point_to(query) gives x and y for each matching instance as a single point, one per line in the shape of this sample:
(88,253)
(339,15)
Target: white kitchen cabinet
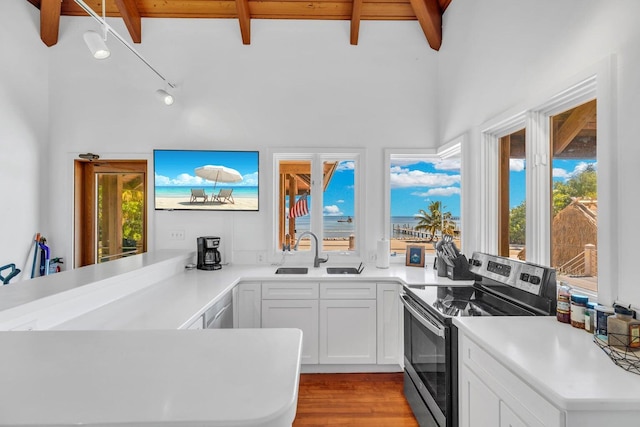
(197,324)
(491,395)
(348,331)
(389,321)
(247,305)
(301,314)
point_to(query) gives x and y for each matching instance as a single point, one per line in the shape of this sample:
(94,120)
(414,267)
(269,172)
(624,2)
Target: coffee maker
(208,254)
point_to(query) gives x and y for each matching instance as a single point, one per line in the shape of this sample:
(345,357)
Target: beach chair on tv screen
(224,196)
(198,193)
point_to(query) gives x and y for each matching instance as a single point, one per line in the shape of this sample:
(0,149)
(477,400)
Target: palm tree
(435,220)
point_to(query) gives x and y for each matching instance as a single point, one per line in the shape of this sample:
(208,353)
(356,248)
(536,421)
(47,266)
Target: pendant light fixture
(99,49)
(97,44)
(165,97)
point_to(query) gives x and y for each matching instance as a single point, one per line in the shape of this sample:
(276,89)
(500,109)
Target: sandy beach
(241,204)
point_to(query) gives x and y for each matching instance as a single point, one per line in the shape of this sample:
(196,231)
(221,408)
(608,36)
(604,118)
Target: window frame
(594,83)
(450,149)
(318,156)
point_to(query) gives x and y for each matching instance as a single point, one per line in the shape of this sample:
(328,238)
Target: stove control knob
(535,280)
(475,262)
(524,277)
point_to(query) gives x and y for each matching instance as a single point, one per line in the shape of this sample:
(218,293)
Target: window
(512,196)
(424,200)
(574,196)
(318,192)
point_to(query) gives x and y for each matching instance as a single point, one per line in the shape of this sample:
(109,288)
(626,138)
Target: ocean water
(185,191)
(337,227)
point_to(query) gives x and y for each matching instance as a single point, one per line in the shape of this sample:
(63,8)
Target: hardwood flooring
(353,400)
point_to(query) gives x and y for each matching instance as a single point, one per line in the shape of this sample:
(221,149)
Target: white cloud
(162,180)
(417,178)
(250,179)
(343,166)
(441,191)
(332,210)
(516,165)
(340,201)
(561,173)
(577,170)
(448,165)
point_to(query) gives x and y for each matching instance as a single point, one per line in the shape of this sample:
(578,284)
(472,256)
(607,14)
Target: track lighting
(89,156)
(96,45)
(165,97)
(102,51)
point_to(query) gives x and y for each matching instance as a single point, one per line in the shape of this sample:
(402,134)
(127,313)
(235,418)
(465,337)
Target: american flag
(300,208)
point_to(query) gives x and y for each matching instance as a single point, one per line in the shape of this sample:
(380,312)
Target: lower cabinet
(247,308)
(491,395)
(343,322)
(348,331)
(301,314)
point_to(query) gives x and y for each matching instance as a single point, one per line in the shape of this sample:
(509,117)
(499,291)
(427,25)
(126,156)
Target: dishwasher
(220,314)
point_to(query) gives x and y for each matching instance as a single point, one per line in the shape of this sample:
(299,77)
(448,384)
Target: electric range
(502,287)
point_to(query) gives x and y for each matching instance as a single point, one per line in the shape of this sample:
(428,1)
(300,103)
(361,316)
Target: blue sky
(416,183)
(338,198)
(562,171)
(176,167)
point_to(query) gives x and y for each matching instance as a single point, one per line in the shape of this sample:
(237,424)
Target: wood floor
(353,400)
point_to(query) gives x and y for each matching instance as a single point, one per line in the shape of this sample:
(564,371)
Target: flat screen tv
(213,180)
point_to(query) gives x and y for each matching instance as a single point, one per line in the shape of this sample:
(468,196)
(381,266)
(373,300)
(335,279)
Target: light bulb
(165,97)
(96,45)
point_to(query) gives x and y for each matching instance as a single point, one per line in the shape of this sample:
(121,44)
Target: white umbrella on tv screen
(218,174)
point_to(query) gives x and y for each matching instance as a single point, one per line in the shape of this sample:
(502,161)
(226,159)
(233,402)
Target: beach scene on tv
(206,180)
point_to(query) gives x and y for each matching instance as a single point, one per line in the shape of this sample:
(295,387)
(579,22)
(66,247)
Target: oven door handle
(423,318)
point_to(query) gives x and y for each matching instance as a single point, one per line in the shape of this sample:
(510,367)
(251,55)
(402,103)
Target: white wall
(299,84)
(503,56)
(24,111)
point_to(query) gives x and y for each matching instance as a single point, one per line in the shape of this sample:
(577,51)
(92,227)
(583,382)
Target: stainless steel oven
(502,287)
(429,365)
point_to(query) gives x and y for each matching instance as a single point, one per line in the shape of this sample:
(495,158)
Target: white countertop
(560,362)
(177,301)
(242,377)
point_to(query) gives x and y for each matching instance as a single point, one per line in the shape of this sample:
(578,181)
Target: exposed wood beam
(355,21)
(244,17)
(131,16)
(430,18)
(579,117)
(50,21)
(36,3)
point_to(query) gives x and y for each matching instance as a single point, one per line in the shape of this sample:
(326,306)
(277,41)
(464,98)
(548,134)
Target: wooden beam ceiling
(50,21)
(427,12)
(132,19)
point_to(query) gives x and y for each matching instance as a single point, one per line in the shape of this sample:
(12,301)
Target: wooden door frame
(85,202)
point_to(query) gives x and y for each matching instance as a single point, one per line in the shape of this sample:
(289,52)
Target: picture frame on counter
(415,256)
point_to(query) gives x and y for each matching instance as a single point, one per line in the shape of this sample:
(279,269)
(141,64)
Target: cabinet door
(347,331)
(478,405)
(508,418)
(389,324)
(301,314)
(248,305)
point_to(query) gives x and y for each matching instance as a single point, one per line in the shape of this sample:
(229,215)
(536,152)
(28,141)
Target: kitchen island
(243,377)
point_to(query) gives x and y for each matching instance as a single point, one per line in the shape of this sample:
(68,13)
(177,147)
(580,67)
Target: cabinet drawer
(347,290)
(290,290)
(530,407)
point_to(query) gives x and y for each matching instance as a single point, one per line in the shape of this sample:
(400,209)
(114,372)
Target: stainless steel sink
(292,270)
(342,270)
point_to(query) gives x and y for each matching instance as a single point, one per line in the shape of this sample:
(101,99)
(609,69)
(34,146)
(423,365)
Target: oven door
(428,364)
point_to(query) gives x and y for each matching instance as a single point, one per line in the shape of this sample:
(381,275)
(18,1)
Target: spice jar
(578,306)
(563,307)
(618,326)
(602,314)
(634,335)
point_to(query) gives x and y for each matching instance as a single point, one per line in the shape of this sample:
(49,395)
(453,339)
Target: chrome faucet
(316,260)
